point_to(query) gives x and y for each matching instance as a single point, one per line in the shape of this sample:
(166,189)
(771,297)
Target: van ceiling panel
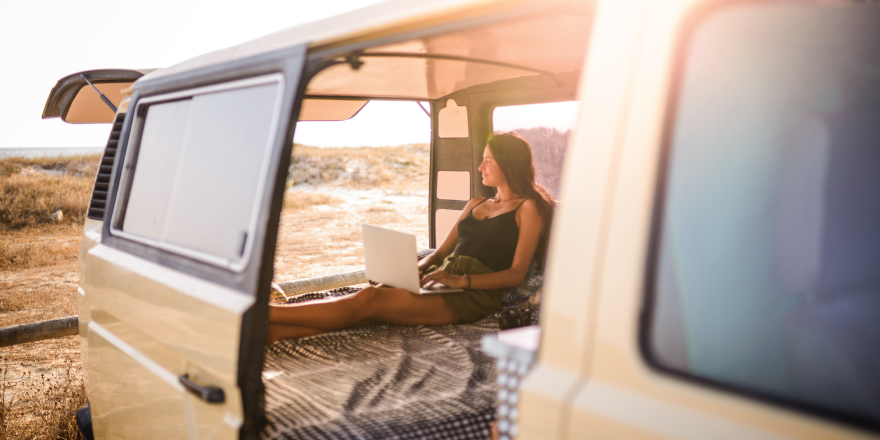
(329,109)
(550,43)
(438,65)
(406,77)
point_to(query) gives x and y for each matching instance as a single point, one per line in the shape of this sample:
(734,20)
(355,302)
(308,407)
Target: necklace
(497,201)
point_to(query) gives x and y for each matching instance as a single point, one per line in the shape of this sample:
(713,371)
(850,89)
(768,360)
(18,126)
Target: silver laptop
(391,259)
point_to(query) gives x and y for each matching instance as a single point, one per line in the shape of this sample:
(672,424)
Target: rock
(56,216)
(36,170)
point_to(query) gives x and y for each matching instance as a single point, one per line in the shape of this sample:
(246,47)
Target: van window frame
(130,158)
(690,23)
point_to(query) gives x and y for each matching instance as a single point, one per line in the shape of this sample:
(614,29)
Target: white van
(713,269)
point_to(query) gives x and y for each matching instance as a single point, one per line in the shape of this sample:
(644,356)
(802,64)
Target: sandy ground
(327,239)
(314,240)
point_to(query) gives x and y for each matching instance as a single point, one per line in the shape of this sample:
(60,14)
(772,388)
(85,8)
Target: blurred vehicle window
(546,127)
(766,272)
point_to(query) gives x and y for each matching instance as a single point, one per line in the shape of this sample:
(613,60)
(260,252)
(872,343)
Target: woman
(491,247)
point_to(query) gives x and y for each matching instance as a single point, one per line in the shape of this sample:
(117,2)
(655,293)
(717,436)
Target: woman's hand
(424,267)
(438,276)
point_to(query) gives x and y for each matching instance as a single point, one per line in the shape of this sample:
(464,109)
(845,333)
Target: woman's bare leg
(368,306)
(277,332)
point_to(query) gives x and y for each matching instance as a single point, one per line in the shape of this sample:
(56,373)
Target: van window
(546,127)
(766,270)
(218,140)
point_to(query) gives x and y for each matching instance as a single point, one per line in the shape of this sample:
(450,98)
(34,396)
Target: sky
(378,124)
(43,41)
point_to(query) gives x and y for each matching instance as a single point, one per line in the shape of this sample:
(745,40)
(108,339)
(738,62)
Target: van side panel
(90,238)
(155,410)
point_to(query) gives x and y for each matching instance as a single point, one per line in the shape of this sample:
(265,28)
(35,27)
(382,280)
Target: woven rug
(381,382)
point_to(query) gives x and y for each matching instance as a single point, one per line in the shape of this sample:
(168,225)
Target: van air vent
(102,181)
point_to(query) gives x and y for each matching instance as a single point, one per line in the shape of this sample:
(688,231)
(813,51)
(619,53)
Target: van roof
(349,26)
(399,17)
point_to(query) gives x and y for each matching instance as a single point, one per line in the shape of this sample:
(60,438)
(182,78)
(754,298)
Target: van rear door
(174,340)
(91,96)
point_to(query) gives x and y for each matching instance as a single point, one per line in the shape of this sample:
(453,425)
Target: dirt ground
(326,239)
(41,382)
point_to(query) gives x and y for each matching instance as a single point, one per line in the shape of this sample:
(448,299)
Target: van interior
(517,73)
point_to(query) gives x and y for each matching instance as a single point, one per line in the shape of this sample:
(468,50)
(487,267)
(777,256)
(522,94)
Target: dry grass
(41,246)
(44,406)
(41,383)
(82,165)
(34,188)
(388,167)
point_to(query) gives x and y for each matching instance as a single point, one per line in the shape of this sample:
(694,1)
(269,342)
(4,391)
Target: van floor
(382,381)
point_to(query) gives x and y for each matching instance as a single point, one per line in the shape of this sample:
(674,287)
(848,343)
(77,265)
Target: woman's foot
(277,292)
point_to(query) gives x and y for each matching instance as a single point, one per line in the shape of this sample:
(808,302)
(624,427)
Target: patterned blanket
(381,382)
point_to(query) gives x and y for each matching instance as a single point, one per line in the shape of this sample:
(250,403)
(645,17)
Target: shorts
(472,304)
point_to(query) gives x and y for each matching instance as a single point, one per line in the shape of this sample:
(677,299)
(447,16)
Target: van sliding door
(177,288)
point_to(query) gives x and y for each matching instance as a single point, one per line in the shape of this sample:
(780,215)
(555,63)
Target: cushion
(529,291)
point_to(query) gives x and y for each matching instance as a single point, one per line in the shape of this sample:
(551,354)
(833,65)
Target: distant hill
(548,149)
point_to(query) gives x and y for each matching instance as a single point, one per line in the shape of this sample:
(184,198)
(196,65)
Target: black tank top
(491,241)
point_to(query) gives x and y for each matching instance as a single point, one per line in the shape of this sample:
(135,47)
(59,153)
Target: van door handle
(207,393)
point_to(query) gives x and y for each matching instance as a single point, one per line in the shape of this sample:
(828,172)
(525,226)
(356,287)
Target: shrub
(34,188)
(363,167)
(42,409)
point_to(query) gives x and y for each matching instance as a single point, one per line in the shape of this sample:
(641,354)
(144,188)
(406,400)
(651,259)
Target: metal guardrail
(38,331)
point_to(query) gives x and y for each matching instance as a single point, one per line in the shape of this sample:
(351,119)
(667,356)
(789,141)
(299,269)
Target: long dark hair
(514,156)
